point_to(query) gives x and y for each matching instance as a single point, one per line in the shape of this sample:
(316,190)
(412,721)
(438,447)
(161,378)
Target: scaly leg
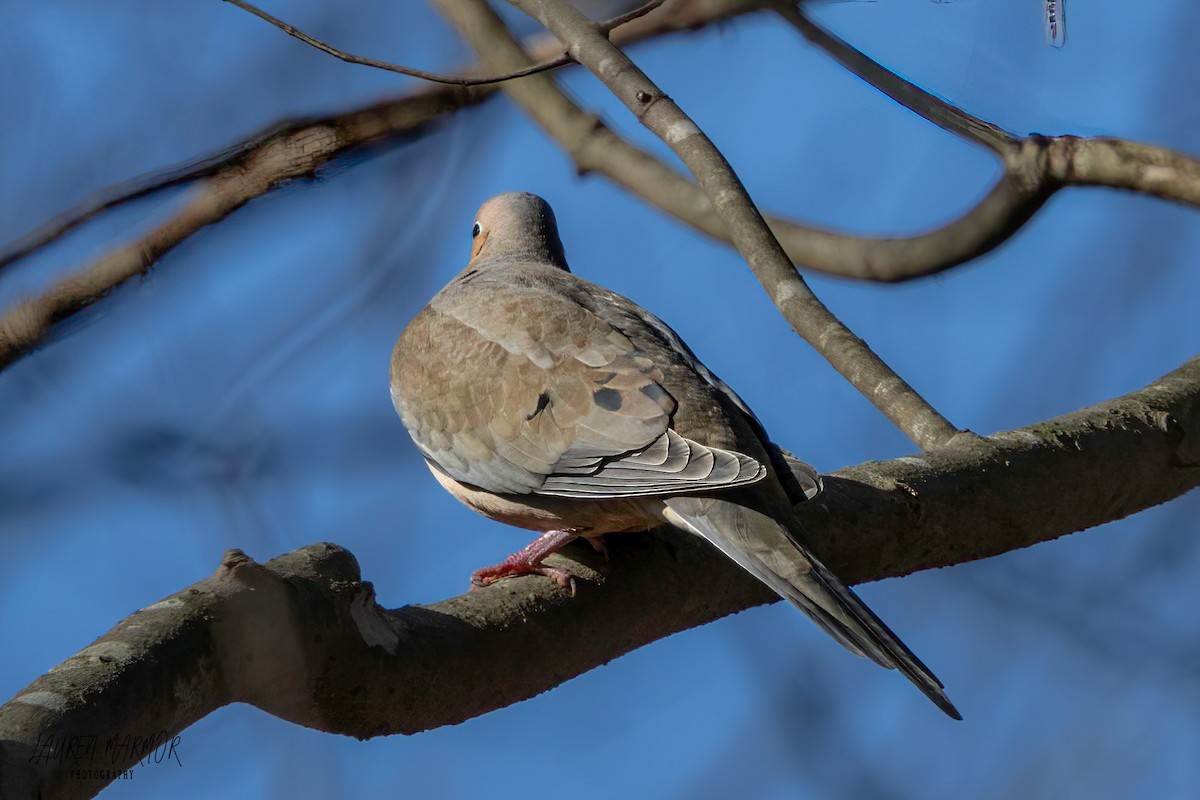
(528,561)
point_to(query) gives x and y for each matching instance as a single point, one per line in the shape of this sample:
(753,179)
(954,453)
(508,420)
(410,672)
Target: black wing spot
(608,399)
(543,401)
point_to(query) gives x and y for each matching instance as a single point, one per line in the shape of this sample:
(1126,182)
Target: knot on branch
(1184,437)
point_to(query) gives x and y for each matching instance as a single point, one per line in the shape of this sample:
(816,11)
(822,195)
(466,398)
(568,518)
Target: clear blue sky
(238,396)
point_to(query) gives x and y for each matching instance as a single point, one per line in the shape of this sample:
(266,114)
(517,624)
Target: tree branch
(454,80)
(596,148)
(301,637)
(293,152)
(434,77)
(287,152)
(141,186)
(1035,167)
(933,108)
(807,315)
(1034,171)
(681,15)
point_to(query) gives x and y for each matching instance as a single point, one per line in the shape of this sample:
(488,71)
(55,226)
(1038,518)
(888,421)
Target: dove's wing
(521,389)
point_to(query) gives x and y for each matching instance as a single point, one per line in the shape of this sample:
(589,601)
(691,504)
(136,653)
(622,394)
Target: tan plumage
(545,401)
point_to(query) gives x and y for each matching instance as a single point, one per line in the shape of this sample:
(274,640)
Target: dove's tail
(763,548)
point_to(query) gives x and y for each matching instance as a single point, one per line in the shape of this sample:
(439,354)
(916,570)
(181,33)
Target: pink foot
(528,561)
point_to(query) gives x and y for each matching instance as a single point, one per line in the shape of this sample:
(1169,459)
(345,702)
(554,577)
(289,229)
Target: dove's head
(517,225)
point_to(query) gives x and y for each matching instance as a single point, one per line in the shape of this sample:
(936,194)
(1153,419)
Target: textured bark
(302,638)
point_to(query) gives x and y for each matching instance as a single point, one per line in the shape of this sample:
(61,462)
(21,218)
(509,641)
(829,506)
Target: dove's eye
(476,229)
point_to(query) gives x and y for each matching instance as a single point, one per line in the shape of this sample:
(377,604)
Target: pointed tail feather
(762,547)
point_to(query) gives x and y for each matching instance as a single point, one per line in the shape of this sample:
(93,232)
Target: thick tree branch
(807,315)
(302,638)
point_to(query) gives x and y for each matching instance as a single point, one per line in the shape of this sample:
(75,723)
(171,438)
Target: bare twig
(435,77)
(630,16)
(301,637)
(848,354)
(909,95)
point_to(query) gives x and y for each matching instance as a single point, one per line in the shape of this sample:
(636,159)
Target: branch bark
(301,637)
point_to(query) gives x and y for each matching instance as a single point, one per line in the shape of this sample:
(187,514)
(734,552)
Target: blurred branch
(287,152)
(454,80)
(678,16)
(807,315)
(229,183)
(139,187)
(302,638)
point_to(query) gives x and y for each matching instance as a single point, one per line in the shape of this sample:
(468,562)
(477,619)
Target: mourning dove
(544,401)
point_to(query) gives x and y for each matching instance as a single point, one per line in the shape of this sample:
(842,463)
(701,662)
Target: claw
(528,561)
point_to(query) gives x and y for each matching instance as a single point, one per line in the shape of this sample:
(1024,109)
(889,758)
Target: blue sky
(237,397)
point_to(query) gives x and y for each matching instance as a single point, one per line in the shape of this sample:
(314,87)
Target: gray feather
(763,548)
(689,467)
